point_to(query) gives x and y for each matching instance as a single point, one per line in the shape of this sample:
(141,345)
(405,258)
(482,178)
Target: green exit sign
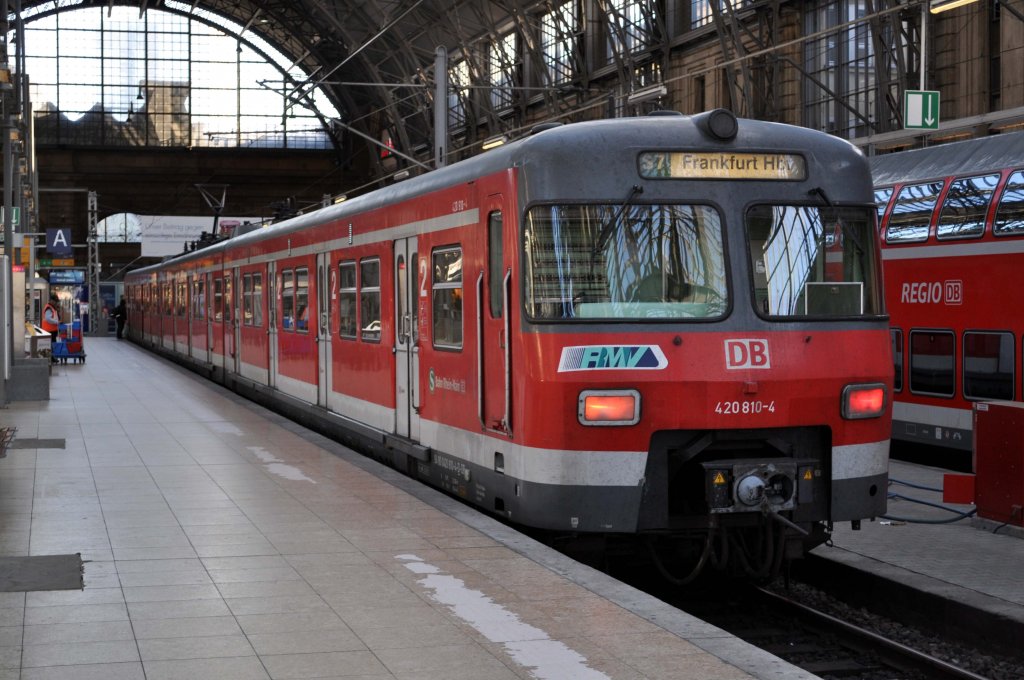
(921,110)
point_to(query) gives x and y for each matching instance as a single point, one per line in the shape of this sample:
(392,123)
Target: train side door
(271,301)
(229,321)
(493,350)
(192,288)
(326,289)
(410,285)
(207,303)
(236,321)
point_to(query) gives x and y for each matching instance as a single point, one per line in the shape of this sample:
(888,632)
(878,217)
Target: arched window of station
(184,77)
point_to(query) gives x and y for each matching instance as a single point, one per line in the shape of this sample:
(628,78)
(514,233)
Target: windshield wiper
(818,191)
(610,225)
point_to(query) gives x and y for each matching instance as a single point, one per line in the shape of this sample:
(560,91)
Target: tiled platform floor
(222,542)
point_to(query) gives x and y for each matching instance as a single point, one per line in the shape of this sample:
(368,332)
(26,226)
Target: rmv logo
(604,357)
(747,353)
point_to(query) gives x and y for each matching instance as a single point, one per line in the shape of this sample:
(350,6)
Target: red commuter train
(666,326)
(952,225)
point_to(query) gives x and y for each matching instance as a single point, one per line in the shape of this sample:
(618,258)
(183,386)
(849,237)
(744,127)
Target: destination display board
(722,165)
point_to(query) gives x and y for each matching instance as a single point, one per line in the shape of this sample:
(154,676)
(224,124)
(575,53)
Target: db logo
(954,292)
(747,353)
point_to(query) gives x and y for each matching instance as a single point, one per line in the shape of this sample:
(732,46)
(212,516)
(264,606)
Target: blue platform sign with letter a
(921,110)
(58,241)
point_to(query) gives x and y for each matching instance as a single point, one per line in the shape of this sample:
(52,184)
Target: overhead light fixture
(647,94)
(401,174)
(493,142)
(936,6)
(340,199)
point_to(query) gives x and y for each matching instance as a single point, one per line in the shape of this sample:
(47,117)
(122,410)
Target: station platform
(220,541)
(965,572)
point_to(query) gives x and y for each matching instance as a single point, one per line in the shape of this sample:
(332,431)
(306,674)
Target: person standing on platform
(120,315)
(51,322)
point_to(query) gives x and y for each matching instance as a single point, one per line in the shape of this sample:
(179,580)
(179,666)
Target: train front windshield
(814,262)
(623,262)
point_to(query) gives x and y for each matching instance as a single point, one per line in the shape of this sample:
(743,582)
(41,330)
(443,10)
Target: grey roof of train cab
(969,157)
(555,161)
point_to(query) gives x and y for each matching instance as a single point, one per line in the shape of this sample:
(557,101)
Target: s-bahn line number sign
(921,110)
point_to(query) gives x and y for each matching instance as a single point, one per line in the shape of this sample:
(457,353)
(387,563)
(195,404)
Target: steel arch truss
(514,63)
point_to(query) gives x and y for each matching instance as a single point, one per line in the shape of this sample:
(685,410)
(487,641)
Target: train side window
(369,300)
(347,300)
(896,337)
(988,365)
(932,360)
(257,299)
(229,299)
(199,299)
(218,300)
(495,265)
(247,299)
(302,299)
(965,207)
(288,300)
(415,260)
(911,213)
(182,300)
(1010,211)
(882,197)
(447,297)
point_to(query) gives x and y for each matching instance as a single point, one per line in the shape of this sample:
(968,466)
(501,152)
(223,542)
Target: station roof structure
(367,56)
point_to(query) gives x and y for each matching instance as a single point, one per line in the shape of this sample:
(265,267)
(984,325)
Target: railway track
(816,641)
(855,651)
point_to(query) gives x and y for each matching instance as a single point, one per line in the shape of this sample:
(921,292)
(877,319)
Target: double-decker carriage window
(288,300)
(302,300)
(446,280)
(257,299)
(932,360)
(369,300)
(621,262)
(347,300)
(218,300)
(1010,210)
(814,261)
(911,214)
(988,365)
(247,299)
(882,197)
(198,299)
(965,207)
(495,265)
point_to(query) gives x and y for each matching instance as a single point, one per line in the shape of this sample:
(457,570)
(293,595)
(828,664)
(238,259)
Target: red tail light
(863,401)
(620,407)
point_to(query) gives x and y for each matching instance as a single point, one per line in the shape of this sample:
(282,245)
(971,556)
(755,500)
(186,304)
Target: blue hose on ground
(959,513)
